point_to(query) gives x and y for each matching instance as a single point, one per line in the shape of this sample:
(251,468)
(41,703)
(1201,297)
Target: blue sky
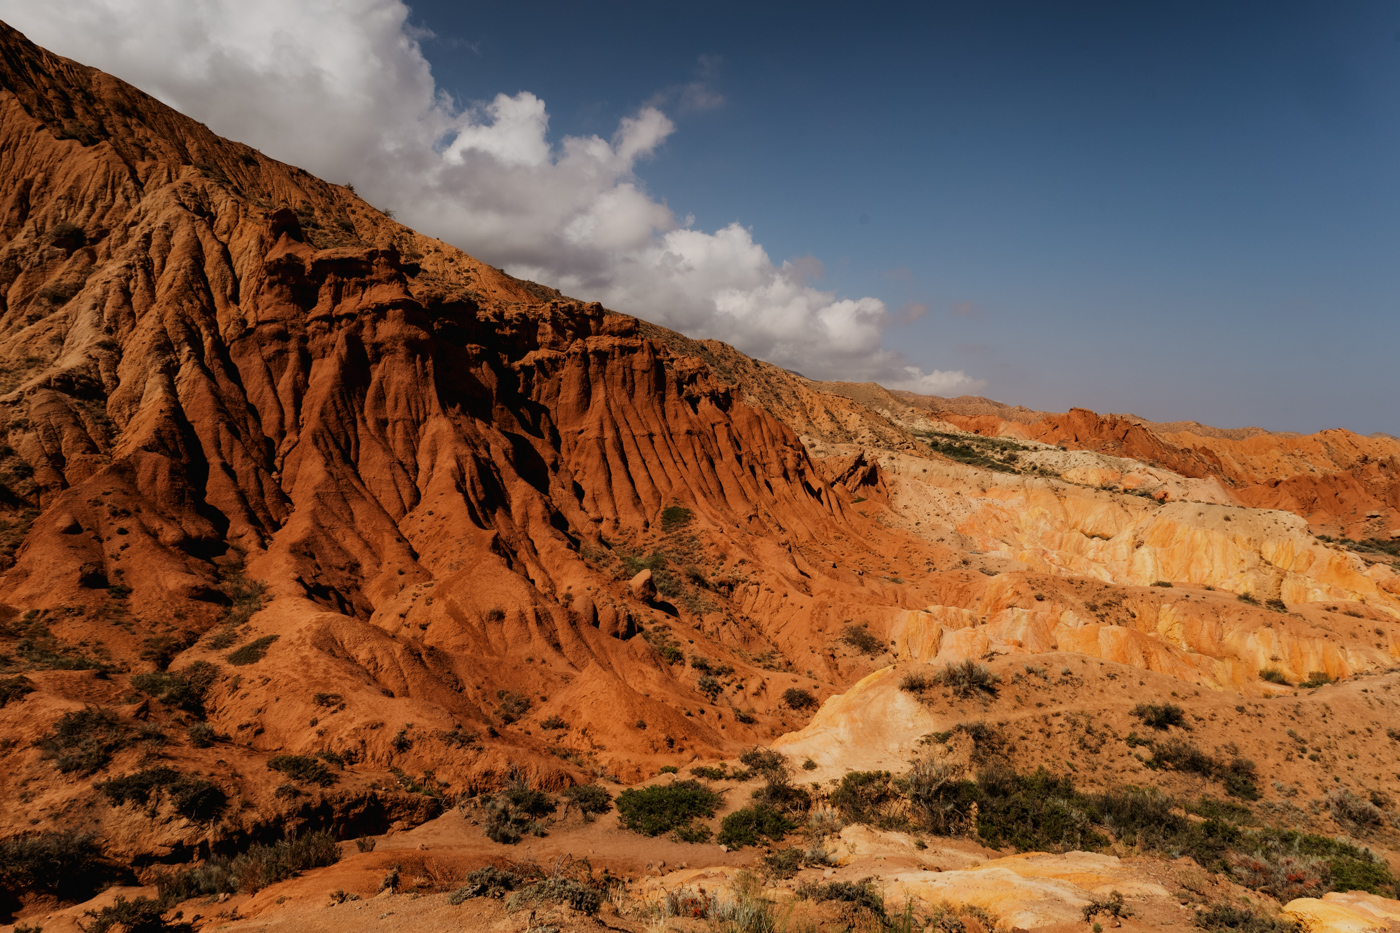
(1181,210)
(1184,210)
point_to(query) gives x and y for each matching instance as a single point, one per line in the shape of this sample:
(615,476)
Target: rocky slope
(308,521)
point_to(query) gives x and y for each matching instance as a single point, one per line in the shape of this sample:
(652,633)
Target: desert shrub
(553,723)
(590,798)
(1349,867)
(693,833)
(1274,676)
(585,898)
(1111,906)
(161,649)
(251,870)
(512,706)
(1276,604)
(1317,679)
(252,652)
(138,787)
(1238,775)
(263,865)
(937,798)
(143,915)
(1159,715)
(799,699)
(662,808)
(303,768)
(1165,583)
(202,735)
(458,738)
(764,760)
(1226,918)
(1248,598)
(516,811)
(487,881)
(865,797)
(709,685)
(779,792)
(1285,876)
(67,235)
(860,638)
(916,682)
(1181,755)
(783,863)
(68,866)
(710,773)
(1353,811)
(675,517)
(185,689)
(987,741)
(969,679)
(327,699)
(83,741)
(751,825)
(14,689)
(863,894)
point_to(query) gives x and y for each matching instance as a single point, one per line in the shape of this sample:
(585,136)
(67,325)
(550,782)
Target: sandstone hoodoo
(336,564)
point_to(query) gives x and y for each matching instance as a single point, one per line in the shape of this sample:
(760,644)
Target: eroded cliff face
(220,370)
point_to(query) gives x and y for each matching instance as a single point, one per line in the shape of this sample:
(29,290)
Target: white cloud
(342,88)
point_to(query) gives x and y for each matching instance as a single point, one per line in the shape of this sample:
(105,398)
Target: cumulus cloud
(342,88)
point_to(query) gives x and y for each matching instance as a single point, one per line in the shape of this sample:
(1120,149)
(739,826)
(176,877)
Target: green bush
(252,652)
(1037,811)
(662,808)
(1160,715)
(751,825)
(1274,676)
(1317,679)
(82,742)
(303,768)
